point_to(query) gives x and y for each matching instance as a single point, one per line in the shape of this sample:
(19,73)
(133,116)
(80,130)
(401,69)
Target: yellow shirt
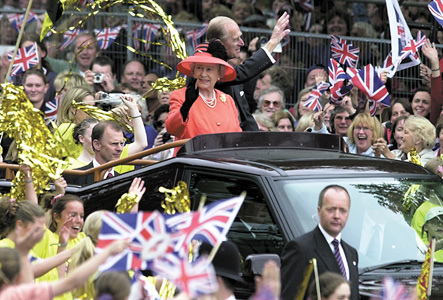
(71,148)
(48,247)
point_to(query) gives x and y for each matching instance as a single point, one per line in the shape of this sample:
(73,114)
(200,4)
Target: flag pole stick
(19,39)
(431,269)
(202,202)
(317,281)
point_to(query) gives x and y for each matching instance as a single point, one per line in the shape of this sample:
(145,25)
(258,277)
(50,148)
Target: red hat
(202,55)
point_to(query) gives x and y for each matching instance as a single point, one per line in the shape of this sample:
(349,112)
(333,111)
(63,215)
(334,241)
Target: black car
(283,174)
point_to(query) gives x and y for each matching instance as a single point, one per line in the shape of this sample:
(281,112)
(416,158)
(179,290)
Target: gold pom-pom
(176,199)
(37,146)
(126,202)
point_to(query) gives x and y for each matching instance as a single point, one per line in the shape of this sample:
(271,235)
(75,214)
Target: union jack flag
(16,20)
(51,109)
(210,224)
(400,36)
(368,81)
(69,37)
(313,101)
(387,65)
(336,73)
(436,9)
(147,233)
(148,34)
(345,53)
(194,36)
(394,290)
(25,59)
(136,32)
(105,37)
(195,279)
(413,46)
(336,41)
(337,78)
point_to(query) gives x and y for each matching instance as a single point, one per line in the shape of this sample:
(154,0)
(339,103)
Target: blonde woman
(68,118)
(362,133)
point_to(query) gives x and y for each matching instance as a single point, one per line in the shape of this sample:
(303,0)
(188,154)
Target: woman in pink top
(200,108)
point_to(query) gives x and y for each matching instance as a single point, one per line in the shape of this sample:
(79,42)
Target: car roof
(286,154)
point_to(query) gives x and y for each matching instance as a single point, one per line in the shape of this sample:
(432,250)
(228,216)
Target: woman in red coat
(199,108)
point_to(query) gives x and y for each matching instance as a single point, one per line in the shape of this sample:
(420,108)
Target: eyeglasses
(276,104)
(365,129)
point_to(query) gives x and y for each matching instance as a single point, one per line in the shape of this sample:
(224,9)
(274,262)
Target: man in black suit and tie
(323,243)
(107,143)
(227,31)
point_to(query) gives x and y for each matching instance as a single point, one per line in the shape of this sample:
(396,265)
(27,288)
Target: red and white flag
(25,59)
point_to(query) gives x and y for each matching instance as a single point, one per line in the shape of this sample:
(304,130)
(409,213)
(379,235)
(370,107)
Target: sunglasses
(276,104)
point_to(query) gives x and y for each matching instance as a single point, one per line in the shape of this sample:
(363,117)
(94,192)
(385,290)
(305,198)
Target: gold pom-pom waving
(414,157)
(101,115)
(126,202)
(176,199)
(37,147)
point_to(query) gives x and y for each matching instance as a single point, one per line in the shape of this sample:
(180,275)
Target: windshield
(386,219)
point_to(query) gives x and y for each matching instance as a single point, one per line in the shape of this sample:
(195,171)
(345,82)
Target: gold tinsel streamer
(37,146)
(409,197)
(151,8)
(126,203)
(101,115)
(176,199)
(414,157)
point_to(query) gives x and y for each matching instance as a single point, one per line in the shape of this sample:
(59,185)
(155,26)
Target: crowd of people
(233,85)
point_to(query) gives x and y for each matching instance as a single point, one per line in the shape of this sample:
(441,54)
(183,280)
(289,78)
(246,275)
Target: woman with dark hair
(338,23)
(64,231)
(332,287)
(396,135)
(82,136)
(421,102)
(436,93)
(399,107)
(35,86)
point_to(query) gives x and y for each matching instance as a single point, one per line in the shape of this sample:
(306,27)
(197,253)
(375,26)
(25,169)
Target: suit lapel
(324,252)
(351,259)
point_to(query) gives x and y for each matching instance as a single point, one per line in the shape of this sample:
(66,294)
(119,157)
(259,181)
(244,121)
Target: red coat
(202,119)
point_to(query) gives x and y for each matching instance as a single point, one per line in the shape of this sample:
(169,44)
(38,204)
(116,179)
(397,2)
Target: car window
(160,178)
(386,217)
(254,230)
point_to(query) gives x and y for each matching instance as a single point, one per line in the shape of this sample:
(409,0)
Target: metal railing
(300,51)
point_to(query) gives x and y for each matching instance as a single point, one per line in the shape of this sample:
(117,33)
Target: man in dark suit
(323,243)
(107,143)
(227,31)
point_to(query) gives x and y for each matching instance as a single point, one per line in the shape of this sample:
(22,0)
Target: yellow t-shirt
(71,148)
(8,243)
(48,247)
(124,168)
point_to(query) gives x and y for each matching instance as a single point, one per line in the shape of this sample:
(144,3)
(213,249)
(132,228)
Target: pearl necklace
(211,103)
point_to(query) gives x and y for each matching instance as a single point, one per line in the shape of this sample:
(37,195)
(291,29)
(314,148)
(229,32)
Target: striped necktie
(338,257)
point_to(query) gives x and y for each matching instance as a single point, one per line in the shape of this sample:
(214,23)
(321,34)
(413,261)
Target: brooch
(223,98)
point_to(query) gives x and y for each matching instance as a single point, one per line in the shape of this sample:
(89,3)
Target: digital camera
(98,77)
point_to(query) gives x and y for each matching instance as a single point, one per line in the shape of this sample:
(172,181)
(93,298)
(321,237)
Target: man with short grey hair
(228,32)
